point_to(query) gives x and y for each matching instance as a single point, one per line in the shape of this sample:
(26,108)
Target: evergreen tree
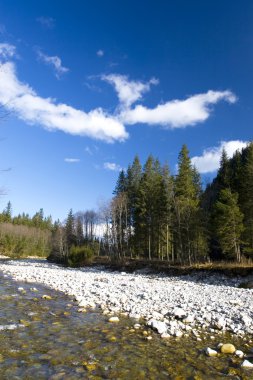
(246,198)
(188,231)
(228,224)
(70,229)
(7,213)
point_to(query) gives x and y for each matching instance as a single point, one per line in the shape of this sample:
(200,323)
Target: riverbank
(173,306)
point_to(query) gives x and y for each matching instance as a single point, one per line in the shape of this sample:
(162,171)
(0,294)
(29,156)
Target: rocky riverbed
(172,306)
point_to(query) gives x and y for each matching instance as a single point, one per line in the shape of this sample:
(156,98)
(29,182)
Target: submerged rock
(210,352)
(113,319)
(228,348)
(46,297)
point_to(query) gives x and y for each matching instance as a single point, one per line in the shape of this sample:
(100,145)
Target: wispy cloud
(72,160)
(53,61)
(88,151)
(112,166)
(46,22)
(7,51)
(20,98)
(209,161)
(178,113)
(100,53)
(128,91)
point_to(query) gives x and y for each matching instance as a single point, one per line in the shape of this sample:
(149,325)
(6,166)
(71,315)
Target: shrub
(80,256)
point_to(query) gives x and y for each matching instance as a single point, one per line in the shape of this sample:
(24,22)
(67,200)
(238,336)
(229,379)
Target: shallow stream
(46,338)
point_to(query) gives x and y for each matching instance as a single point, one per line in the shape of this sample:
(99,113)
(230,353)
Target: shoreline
(186,305)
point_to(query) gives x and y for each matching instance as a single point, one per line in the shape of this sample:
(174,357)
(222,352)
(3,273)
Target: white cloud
(178,113)
(209,161)
(100,53)
(30,107)
(46,22)
(112,166)
(7,51)
(128,91)
(53,61)
(21,99)
(72,160)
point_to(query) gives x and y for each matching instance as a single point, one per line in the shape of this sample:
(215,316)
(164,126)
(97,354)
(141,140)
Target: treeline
(156,215)
(152,215)
(23,236)
(75,242)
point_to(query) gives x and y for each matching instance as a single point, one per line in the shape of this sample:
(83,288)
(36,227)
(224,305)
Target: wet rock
(158,326)
(46,297)
(210,352)
(246,364)
(239,353)
(113,319)
(227,348)
(165,336)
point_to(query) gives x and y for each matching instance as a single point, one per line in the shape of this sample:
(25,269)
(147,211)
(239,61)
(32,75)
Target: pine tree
(70,229)
(7,213)
(187,228)
(228,224)
(246,198)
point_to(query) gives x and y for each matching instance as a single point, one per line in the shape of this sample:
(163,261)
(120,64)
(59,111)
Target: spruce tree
(70,230)
(228,224)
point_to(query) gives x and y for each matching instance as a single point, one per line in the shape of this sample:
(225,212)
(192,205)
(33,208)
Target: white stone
(239,353)
(247,364)
(179,313)
(189,319)
(113,319)
(159,326)
(210,352)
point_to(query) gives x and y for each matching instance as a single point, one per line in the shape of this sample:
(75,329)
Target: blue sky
(87,85)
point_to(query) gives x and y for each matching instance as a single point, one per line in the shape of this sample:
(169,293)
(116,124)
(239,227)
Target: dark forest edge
(153,217)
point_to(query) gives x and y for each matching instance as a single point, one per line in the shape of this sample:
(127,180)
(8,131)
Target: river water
(49,339)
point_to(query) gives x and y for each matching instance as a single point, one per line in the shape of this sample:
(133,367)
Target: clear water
(57,342)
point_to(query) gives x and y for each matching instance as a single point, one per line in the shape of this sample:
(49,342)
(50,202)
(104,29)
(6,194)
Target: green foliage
(228,224)
(22,241)
(80,256)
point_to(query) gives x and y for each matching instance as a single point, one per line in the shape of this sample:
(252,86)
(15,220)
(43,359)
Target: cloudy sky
(85,86)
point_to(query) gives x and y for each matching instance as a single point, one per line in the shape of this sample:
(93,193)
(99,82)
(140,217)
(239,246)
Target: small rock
(113,319)
(159,326)
(165,336)
(46,297)
(210,352)
(189,319)
(239,353)
(228,348)
(178,333)
(81,310)
(179,313)
(246,364)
